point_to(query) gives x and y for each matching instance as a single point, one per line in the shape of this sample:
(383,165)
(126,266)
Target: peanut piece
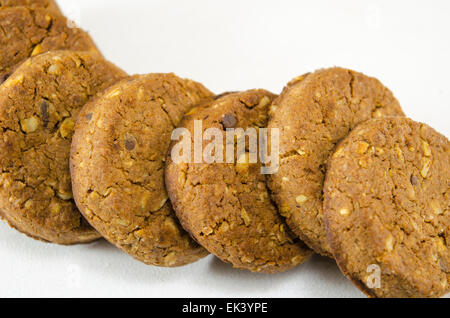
(301,199)
(66,127)
(29,125)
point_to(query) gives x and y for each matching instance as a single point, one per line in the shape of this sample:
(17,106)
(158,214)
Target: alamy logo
(236,145)
(374,279)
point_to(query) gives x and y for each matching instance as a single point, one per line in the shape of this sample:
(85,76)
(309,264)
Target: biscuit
(226,206)
(47,4)
(117,164)
(314,113)
(387,206)
(28,32)
(39,104)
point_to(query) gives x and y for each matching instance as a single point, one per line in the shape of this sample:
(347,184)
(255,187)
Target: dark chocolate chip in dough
(229,121)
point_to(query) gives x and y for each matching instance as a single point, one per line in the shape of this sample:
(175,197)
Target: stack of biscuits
(87,153)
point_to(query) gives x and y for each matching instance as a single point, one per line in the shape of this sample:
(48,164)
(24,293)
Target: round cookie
(117,164)
(39,105)
(226,207)
(28,32)
(314,113)
(47,4)
(387,208)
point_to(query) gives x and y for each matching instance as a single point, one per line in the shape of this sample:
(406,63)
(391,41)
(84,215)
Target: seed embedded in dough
(362,147)
(55,208)
(301,199)
(296,260)
(425,167)
(440,244)
(344,211)
(377,114)
(363,163)
(48,18)
(411,193)
(273,109)
(399,153)
(67,127)
(37,50)
(436,207)
(245,217)
(426,148)
(65,195)
(285,210)
(122,222)
(296,80)
(224,227)
(171,225)
(28,204)
(170,259)
(54,69)
(207,231)
(338,152)
(192,111)
(264,101)
(389,243)
(29,125)
(113,93)
(140,94)
(285,179)
(12,81)
(301,152)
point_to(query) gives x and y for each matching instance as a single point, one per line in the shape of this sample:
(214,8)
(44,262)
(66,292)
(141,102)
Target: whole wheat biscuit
(117,164)
(39,104)
(28,32)
(47,4)
(314,113)
(387,208)
(226,206)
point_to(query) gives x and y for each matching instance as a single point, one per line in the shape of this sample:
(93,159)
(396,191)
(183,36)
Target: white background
(237,45)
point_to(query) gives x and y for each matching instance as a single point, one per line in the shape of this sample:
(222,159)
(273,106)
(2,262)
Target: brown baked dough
(39,104)
(314,113)
(227,207)
(387,203)
(117,164)
(47,4)
(28,32)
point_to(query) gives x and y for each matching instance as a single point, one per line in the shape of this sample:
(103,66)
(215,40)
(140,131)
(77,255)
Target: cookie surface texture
(314,113)
(117,163)
(226,207)
(47,4)
(28,32)
(39,105)
(387,208)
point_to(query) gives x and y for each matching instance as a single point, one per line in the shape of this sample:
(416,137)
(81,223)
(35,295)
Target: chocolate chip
(130,143)
(229,121)
(88,117)
(43,105)
(414,180)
